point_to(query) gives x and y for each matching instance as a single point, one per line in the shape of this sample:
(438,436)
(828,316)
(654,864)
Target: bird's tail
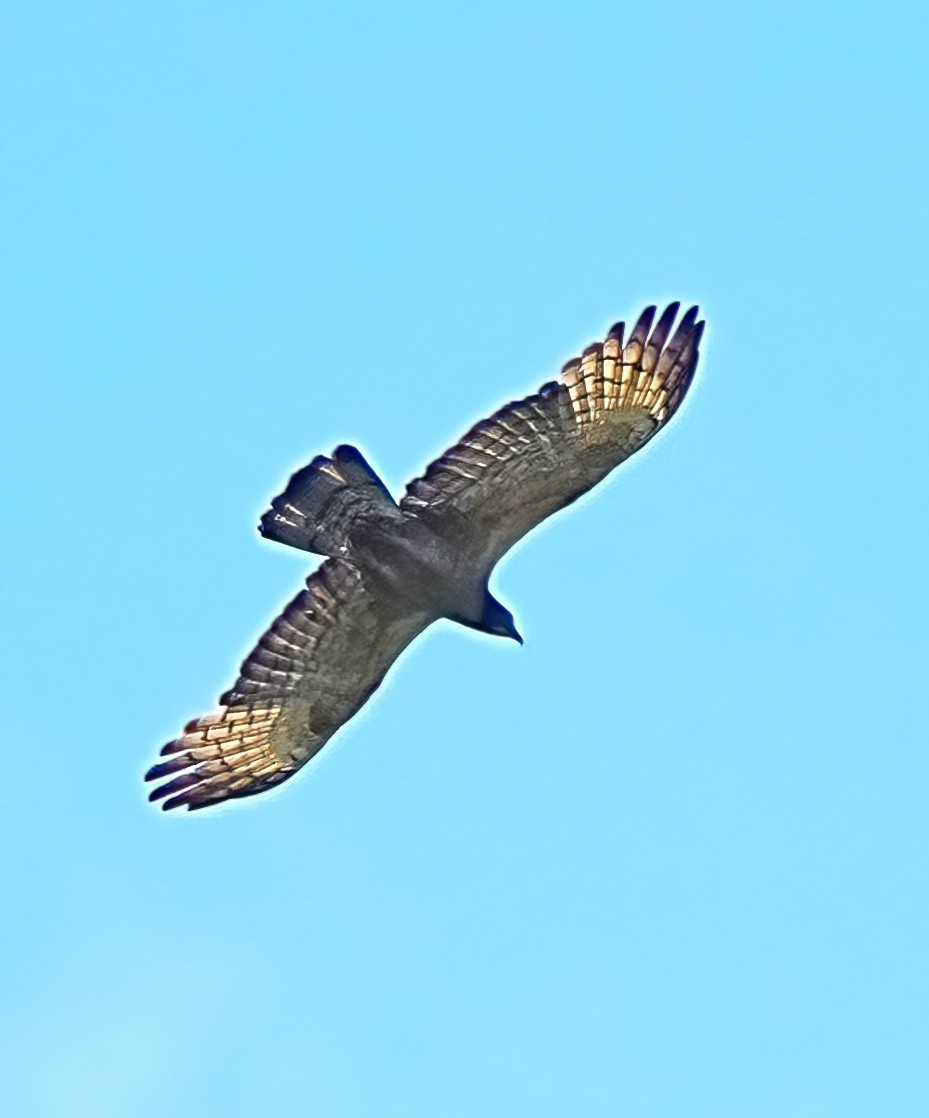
(327,502)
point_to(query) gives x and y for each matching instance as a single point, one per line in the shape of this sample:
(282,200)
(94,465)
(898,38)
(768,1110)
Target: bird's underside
(392,569)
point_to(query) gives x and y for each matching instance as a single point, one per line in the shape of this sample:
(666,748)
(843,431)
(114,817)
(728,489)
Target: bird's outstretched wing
(537,455)
(310,672)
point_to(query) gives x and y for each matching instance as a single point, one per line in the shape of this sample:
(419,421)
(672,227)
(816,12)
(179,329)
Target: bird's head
(498,620)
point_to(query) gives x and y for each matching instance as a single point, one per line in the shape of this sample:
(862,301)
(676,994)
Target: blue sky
(668,858)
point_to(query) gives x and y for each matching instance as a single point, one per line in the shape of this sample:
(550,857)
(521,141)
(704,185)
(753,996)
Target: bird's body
(393,569)
(422,569)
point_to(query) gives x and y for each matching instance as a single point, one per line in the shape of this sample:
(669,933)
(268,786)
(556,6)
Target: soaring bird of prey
(394,568)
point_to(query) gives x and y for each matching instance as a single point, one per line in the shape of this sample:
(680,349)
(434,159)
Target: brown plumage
(394,569)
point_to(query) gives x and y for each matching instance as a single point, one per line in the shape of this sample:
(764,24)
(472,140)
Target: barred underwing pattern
(535,456)
(330,648)
(310,672)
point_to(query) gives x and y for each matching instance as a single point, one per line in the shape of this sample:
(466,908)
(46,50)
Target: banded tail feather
(325,501)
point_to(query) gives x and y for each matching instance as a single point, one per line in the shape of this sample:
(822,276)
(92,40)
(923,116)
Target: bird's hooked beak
(497,620)
(508,629)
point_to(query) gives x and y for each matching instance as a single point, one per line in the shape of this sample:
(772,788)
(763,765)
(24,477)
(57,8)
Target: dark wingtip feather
(193,800)
(646,318)
(179,784)
(616,334)
(683,337)
(165,768)
(640,331)
(663,328)
(659,335)
(689,319)
(175,801)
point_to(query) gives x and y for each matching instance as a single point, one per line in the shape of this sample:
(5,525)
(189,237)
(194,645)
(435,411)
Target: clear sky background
(669,858)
